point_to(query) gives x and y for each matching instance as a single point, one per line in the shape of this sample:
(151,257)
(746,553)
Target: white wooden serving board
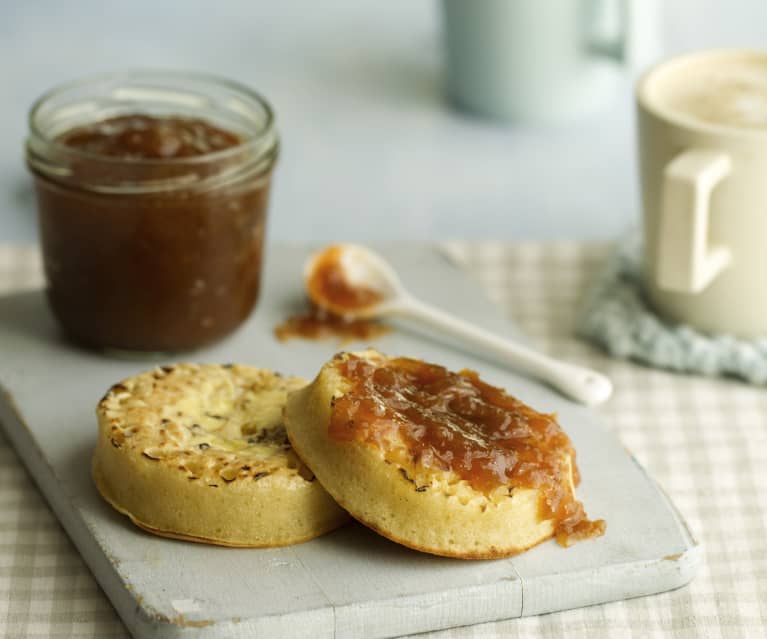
(350,583)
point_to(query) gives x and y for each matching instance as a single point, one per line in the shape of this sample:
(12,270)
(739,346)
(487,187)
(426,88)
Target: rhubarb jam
(145,137)
(168,270)
(328,286)
(152,192)
(317,323)
(457,423)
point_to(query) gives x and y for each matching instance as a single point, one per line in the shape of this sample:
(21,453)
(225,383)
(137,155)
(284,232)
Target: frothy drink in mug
(703,160)
(731,93)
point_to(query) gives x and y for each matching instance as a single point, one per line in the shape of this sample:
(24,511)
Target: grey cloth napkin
(617,317)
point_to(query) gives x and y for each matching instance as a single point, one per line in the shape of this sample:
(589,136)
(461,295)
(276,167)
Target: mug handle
(685,262)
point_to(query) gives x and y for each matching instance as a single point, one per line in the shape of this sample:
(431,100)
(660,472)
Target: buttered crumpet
(199,452)
(435,460)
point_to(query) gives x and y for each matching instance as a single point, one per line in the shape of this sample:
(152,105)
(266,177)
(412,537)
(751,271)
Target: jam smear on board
(317,323)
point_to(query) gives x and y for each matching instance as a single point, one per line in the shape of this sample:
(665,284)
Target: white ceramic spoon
(364,268)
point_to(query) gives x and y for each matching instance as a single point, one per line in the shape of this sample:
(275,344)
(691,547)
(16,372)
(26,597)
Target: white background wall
(370,147)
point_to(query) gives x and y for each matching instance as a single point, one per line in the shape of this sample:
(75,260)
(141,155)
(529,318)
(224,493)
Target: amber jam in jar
(152,192)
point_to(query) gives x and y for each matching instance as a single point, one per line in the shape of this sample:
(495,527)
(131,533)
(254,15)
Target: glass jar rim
(252,139)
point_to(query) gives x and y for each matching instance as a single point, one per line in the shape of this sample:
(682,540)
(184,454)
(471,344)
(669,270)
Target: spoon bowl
(360,268)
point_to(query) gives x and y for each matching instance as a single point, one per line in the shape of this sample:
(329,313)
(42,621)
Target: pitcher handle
(608,29)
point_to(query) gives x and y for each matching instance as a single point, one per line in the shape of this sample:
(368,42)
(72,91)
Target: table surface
(704,440)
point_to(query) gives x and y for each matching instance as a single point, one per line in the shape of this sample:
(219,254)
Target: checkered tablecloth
(704,440)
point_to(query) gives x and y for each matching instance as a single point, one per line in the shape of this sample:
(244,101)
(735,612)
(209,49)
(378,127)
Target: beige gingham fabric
(704,440)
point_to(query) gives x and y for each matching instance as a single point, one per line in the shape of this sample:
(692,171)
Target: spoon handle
(581,384)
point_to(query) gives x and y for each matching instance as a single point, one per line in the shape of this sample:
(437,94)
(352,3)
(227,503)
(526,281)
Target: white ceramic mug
(704,190)
(544,60)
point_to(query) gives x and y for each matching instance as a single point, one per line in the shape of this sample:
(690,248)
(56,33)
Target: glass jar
(152,251)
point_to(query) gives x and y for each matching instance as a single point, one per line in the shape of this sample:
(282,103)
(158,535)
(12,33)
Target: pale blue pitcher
(544,60)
